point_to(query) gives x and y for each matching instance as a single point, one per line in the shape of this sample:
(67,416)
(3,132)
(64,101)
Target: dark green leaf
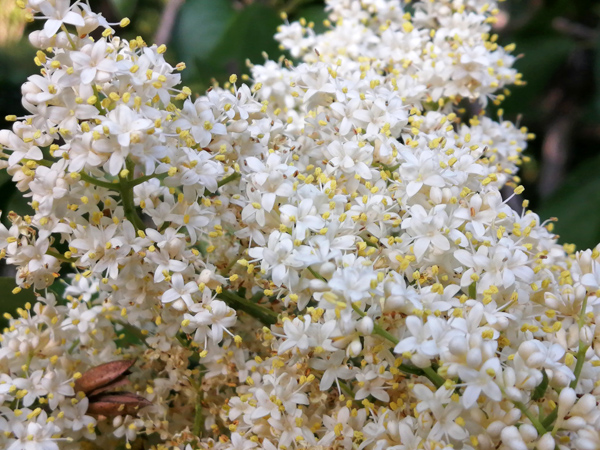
(543,56)
(573,204)
(315,14)
(124,8)
(200,26)
(540,390)
(247,37)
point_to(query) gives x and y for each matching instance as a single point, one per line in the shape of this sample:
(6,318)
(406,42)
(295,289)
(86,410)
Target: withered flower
(97,384)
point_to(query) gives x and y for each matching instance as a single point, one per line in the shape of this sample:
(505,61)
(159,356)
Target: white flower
(180,291)
(333,369)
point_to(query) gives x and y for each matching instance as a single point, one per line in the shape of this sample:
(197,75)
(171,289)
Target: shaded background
(559,39)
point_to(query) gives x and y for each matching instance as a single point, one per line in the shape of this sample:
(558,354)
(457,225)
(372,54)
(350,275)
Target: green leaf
(201,25)
(544,55)
(124,8)
(314,13)
(596,60)
(540,390)
(10,302)
(578,220)
(248,35)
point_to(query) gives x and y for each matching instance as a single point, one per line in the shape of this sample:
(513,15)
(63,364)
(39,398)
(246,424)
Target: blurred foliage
(559,39)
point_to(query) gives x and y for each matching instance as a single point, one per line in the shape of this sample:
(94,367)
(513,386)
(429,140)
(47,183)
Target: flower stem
(60,257)
(145,178)
(62,27)
(582,347)
(104,184)
(264,315)
(198,416)
(541,429)
(129,209)
(230,178)
(435,378)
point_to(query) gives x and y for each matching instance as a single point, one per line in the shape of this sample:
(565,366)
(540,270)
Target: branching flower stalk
(319,260)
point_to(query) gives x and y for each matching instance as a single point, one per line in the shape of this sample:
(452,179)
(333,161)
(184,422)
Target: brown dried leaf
(113,404)
(103,377)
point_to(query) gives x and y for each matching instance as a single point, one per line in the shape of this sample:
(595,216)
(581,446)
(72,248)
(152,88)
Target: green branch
(104,184)
(541,429)
(230,178)
(264,315)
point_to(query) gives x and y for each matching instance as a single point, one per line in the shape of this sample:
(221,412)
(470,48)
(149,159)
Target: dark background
(559,41)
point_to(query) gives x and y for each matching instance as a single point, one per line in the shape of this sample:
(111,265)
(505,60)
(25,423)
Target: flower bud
(495,428)
(528,432)
(566,400)
(458,346)
(318,285)
(237,126)
(39,39)
(512,416)
(585,335)
(559,379)
(526,349)
(535,360)
(574,423)
(365,326)
(354,348)
(584,406)
(512,439)
(474,358)
(435,195)
(327,269)
(584,258)
(501,324)
(551,301)
(546,442)
(91,23)
(573,335)
(420,361)
(514,394)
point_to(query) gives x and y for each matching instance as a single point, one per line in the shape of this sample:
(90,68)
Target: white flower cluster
(319,260)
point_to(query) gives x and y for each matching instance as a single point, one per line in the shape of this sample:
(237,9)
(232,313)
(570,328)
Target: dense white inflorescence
(321,259)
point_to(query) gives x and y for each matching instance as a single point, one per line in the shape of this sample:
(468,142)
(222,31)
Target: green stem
(582,347)
(73,346)
(435,378)
(315,274)
(198,416)
(40,162)
(581,351)
(104,184)
(62,27)
(145,178)
(264,315)
(346,389)
(541,429)
(61,257)
(579,365)
(230,178)
(473,290)
(550,418)
(129,209)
